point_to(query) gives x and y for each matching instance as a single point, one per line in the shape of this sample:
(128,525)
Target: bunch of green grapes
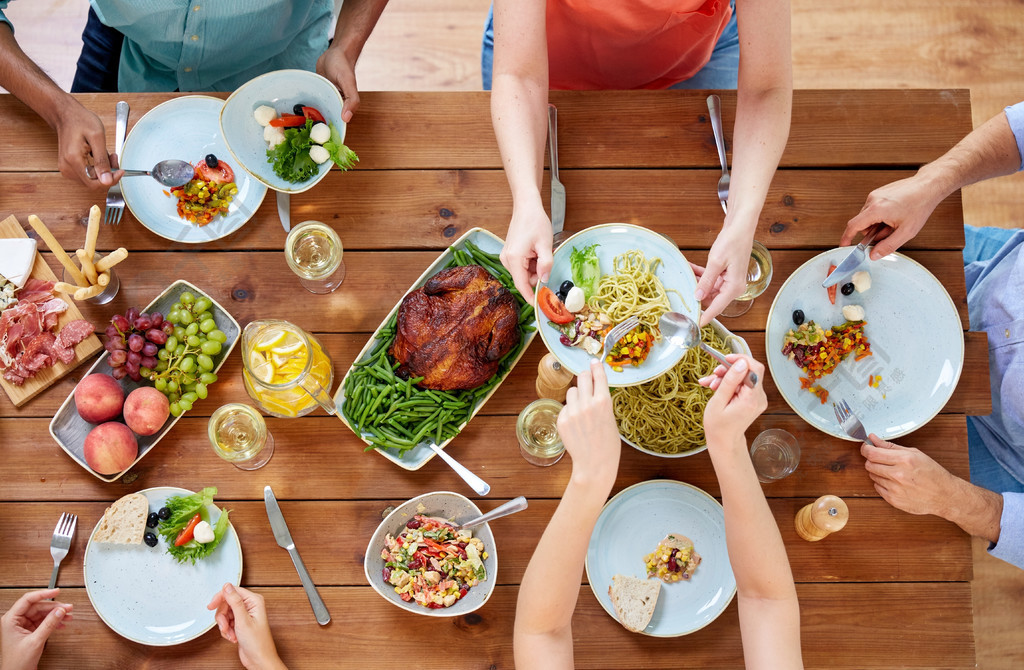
(185,367)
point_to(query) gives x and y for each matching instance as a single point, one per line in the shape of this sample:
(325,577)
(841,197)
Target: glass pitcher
(286,370)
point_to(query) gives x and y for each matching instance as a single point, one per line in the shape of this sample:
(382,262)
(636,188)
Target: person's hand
(242,619)
(903,206)
(725,277)
(82,142)
(527,251)
(735,405)
(587,427)
(335,65)
(25,628)
(907,478)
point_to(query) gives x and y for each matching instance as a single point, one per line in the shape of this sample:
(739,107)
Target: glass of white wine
(537,432)
(759,275)
(313,251)
(239,435)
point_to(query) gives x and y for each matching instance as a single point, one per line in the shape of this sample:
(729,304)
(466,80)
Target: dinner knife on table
(284,540)
(284,204)
(853,261)
(557,189)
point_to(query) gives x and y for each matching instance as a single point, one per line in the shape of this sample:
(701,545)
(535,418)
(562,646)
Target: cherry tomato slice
(222,174)
(188,532)
(314,114)
(832,288)
(552,307)
(288,121)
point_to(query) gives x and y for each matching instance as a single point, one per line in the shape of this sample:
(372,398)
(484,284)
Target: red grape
(120,323)
(118,358)
(143,323)
(112,332)
(167,327)
(136,341)
(156,336)
(157,318)
(134,358)
(148,362)
(149,349)
(117,343)
(119,373)
(132,313)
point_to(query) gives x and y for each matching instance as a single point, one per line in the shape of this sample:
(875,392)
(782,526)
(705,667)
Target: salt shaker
(821,518)
(553,380)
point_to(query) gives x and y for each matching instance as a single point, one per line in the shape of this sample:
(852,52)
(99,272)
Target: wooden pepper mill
(553,380)
(821,518)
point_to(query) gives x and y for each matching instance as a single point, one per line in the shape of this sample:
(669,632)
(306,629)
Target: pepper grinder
(821,518)
(553,380)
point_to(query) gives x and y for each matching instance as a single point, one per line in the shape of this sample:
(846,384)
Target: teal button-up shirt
(211,45)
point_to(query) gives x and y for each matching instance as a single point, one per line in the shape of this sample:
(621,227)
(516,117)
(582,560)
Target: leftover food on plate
(817,351)
(124,522)
(674,560)
(634,600)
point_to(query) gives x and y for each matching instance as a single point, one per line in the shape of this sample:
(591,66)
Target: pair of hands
(81,136)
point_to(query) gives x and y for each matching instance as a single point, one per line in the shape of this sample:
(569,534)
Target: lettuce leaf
(183,508)
(586,269)
(290,158)
(342,156)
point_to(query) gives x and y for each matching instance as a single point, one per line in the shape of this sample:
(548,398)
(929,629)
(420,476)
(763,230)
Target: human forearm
(27,82)
(356,21)
(989,151)
(976,510)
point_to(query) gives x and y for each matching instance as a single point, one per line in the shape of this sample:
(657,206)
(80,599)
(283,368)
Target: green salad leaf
(342,156)
(586,269)
(183,508)
(290,158)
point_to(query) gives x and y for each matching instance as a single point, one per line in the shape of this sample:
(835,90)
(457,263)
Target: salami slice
(73,332)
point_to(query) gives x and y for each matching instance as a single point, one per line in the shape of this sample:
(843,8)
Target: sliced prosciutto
(29,338)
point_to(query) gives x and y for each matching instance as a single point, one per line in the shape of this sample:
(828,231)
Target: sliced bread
(124,522)
(634,600)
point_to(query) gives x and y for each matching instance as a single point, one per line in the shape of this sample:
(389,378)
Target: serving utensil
(852,261)
(849,421)
(115,200)
(60,543)
(511,507)
(284,204)
(284,540)
(480,486)
(557,189)
(715,109)
(170,172)
(683,332)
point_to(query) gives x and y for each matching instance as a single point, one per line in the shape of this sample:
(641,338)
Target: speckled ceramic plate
(673,271)
(631,525)
(146,596)
(915,333)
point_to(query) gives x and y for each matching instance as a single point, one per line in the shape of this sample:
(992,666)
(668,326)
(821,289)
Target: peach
(146,410)
(98,398)
(110,448)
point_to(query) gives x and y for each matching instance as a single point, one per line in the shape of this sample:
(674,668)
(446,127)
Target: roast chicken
(455,329)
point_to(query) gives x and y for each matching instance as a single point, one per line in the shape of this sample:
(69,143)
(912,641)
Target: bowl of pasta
(665,416)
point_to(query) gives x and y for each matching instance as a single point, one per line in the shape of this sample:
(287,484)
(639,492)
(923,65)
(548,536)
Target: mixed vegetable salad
(298,143)
(184,523)
(208,194)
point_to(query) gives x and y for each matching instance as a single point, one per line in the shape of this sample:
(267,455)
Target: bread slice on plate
(124,522)
(634,600)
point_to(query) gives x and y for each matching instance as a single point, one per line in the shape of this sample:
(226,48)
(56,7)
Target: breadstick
(92,232)
(64,287)
(111,259)
(104,278)
(88,292)
(88,269)
(58,251)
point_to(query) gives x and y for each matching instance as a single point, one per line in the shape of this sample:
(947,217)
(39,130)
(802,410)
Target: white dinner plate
(674,272)
(143,594)
(916,338)
(186,128)
(633,523)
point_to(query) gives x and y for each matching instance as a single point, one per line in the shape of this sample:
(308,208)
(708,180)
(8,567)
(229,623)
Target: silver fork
(115,200)
(714,107)
(618,332)
(61,542)
(849,422)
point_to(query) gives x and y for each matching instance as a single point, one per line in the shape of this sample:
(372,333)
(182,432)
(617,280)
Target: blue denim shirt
(213,45)
(995,300)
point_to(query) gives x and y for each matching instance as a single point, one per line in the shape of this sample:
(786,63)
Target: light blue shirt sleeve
(3,17)
(1010,547)
(1015,115)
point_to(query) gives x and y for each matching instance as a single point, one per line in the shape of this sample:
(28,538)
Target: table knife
(853,261)
(284,203)
(557,189)
(284,540)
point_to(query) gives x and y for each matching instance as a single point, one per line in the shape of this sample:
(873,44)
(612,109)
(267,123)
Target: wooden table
(889,590)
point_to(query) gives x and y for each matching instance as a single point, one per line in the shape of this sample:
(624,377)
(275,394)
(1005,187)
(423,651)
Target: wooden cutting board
(19,395)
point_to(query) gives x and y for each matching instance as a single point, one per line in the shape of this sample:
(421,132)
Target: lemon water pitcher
(286,370)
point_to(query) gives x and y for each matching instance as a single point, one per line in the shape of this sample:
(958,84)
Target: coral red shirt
(628,44)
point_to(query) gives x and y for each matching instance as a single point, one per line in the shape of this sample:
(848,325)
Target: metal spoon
(682,331)
(480,486)
(511,507)
(169,173)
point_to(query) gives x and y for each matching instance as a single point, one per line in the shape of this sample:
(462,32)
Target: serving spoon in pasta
(682,331)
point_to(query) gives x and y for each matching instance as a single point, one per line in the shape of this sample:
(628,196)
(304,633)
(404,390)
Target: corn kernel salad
(675,559)
(818,351)
(207,195)
(433,564)
(632,349)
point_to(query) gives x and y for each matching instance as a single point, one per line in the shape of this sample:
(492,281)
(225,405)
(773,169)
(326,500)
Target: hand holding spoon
(169,173)
(682,331)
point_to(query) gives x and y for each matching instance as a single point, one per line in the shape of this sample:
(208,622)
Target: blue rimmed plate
(674,272)
(186,128)
(144,595)
(632,524)
(915,333)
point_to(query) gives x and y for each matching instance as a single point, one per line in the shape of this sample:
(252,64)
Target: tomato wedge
(288,121)
(552,307)
(188,532)
(832,288)
(314,114)
(222,174)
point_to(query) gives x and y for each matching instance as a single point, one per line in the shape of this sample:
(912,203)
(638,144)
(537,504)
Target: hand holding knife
(284,540)
(853,261)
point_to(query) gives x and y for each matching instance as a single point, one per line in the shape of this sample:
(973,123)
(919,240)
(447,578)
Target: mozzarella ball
(204,533)
(264,114)
(320,133)
(861,281)
(575,299)
(273,135)
(319,154)
(853,313)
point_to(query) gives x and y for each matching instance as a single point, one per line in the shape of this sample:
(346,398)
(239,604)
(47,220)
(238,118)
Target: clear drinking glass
(775,454)
(239,435)
(537,432)
(759,275)
(109,291)
(313,251)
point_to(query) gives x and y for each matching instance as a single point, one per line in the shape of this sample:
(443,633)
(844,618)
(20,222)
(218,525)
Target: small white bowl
(281,90)
(446,505)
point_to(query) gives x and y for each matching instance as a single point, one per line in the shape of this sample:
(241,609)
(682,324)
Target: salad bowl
(281,90)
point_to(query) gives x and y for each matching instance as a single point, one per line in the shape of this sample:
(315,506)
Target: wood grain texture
(926,631)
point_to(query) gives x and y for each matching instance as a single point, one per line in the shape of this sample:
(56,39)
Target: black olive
(297,109)
(561,296)
(211,160)
(150,539)
(847,289)
(565,287)
(164,513)
(153,520)
(798,316)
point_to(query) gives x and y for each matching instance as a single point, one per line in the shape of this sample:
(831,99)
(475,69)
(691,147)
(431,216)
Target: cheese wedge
(16,259)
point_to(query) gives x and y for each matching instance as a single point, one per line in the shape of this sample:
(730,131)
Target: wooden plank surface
(873,635)
(19,395)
